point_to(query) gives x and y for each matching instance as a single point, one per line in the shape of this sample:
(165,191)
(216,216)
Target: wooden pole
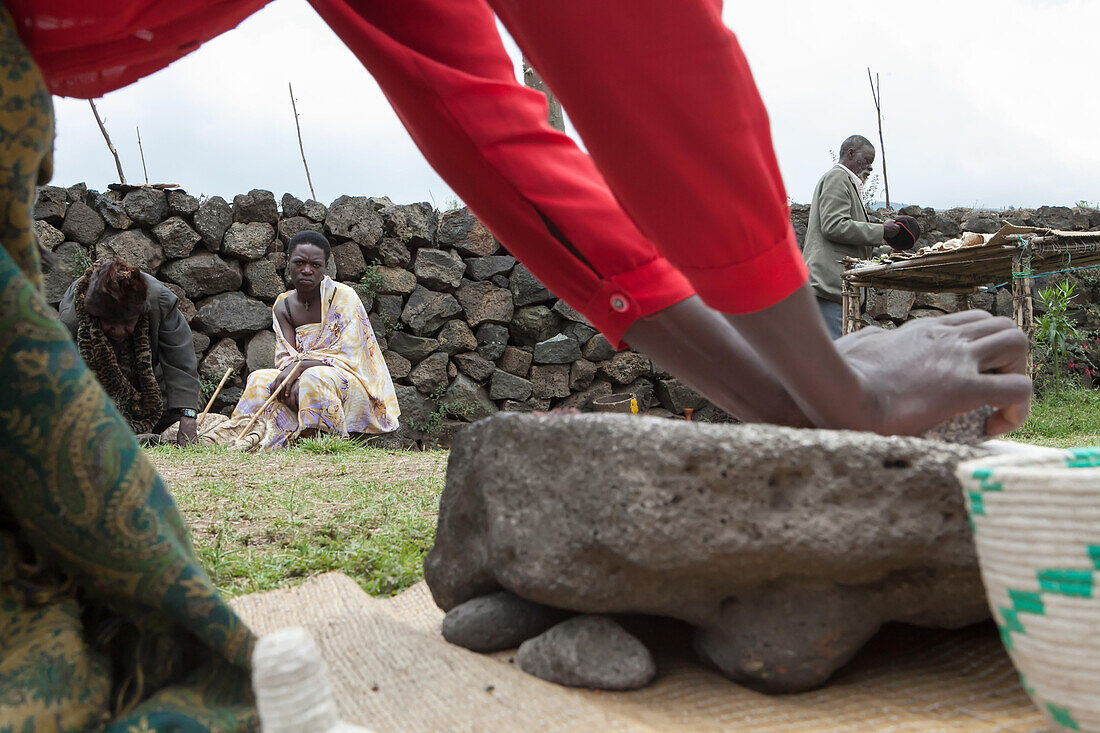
(876,92)
(140,150)
(110,145)
(270,399)
(845,308)
(300,146)
(850,296)
(214,396)
(1023,312)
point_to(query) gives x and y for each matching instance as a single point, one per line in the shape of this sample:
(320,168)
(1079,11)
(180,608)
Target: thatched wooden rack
(1014,254)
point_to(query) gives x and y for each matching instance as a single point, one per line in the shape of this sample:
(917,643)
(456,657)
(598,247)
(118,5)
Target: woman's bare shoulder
(283,311)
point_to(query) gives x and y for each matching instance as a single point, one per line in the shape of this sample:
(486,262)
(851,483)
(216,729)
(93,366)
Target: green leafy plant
(207,387)
(81,260)
(1090,278)
(368,288)
(445,407)
(391,326)
(870,191)
(1054,329)
(371,282)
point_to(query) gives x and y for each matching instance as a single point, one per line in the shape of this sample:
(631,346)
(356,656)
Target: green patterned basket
(1036,522)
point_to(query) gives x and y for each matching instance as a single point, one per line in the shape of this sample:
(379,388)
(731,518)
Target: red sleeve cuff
(621,299)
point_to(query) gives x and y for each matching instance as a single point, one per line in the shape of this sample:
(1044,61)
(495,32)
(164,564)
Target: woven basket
(1036,523)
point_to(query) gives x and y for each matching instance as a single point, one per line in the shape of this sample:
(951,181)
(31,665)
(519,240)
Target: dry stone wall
(465,329)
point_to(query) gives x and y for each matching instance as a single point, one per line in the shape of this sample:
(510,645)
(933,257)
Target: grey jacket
(838,228)
(174,360)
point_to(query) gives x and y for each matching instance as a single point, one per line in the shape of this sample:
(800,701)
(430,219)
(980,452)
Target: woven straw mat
(392,671)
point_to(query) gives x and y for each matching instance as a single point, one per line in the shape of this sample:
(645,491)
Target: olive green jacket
(838,228)
(173,346)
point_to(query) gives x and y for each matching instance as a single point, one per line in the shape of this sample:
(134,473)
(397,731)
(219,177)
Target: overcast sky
(986,103)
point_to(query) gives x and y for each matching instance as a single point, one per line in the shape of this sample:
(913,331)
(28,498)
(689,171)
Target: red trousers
(680,192)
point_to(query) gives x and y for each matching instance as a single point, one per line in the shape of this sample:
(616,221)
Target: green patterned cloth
(107,621)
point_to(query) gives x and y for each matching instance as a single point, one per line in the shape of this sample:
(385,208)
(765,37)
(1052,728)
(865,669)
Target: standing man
(838,227)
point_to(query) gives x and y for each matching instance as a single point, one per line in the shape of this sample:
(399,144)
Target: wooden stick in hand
(270,399)
(214,396)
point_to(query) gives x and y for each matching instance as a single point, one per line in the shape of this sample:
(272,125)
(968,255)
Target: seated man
(129,330)
(338,381)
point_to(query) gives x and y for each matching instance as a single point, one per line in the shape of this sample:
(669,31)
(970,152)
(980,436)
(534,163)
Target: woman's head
(116,296)
(306,258)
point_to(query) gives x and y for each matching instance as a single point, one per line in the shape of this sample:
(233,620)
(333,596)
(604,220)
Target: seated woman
(340,383)
(130,332)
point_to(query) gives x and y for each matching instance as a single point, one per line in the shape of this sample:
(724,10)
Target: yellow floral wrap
(351,393)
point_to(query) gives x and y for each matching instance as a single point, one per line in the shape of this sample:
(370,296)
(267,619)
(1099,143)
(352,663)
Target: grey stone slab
(786,549)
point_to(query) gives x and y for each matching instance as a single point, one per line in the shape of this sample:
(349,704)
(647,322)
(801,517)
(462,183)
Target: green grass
(265,521)
(329,445)
(1063,419)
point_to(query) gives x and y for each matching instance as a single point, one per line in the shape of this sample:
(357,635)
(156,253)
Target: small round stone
(588,651)
(497,621)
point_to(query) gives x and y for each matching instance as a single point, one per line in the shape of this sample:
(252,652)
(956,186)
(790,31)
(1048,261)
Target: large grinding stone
(786,549)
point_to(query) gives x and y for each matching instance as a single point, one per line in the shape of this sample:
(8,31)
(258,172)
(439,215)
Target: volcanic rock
(203,274)
(588,651)
(497,621)
(82,224)
(786,549)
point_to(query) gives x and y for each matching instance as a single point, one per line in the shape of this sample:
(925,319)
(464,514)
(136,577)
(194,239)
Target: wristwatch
(188,412)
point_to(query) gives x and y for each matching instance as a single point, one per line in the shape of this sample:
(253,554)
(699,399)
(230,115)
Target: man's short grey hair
(855,142)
